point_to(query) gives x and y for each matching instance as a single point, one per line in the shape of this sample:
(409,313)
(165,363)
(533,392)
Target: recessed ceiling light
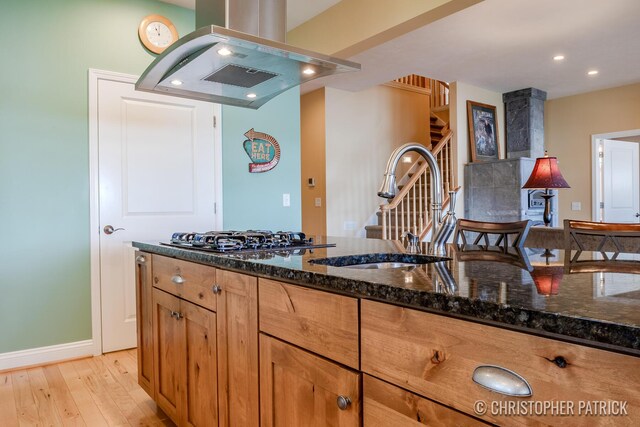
(224,52)
(558,57)
(309,71)
(176,82)
(251,95)
(592,72)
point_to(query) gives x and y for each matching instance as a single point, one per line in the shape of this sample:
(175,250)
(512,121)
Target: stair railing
(439,93)
(414,80)
(438,90)
(410,210)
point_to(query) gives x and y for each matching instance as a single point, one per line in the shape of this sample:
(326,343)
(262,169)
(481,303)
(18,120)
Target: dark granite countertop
(595,308)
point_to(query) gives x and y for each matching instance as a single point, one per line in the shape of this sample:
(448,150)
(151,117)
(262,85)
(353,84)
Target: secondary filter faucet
(388,191)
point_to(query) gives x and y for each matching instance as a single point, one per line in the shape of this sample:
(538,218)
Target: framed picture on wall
(483,131)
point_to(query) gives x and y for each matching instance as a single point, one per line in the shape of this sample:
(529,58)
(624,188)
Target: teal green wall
(254,200)
(46,48)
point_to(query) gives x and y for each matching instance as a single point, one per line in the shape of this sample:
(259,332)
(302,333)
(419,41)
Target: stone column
(524,115)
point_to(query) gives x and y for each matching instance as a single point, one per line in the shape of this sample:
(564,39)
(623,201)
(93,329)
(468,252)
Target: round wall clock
(157,33)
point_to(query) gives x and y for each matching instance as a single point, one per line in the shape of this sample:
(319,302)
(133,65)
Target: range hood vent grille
(237,75)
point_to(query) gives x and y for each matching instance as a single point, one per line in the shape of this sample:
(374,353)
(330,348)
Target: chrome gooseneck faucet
(388,191)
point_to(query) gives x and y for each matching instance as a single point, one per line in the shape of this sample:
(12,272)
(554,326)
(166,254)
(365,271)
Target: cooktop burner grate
(243,241)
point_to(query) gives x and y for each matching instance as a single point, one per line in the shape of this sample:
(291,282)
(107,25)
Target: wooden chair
(514,256)
(602,237)
(601,266)
(466,228)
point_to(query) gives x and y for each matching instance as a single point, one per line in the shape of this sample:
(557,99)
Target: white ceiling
(505,45)
(298,11)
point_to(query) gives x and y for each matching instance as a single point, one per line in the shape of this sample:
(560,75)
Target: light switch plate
(576,206)
(318,202)
(286,200)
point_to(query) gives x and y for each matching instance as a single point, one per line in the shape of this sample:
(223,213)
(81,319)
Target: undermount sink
(382,265)
(378,261)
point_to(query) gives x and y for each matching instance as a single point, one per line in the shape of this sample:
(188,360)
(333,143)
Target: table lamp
(547,278)
(545,175)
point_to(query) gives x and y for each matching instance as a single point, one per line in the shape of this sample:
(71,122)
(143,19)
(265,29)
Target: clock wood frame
(142,32)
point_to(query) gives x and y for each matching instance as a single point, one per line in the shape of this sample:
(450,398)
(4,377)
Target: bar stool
(499,231)
(601,237)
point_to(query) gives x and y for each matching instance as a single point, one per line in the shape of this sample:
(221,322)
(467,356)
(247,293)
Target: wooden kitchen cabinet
(321,322)
(435,356)
(169,343)
(201,408)
(187,280)
(386,405)
(298,388)
(238,349)
(186,360)
(144,321)
(230,349)
(205,344)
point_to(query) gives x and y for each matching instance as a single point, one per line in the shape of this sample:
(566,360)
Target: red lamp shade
(547,279)
(546,174)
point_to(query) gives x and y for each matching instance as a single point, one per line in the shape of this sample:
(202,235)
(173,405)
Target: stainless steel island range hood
(237,65)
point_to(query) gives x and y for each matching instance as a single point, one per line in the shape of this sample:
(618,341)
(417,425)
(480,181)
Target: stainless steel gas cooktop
(243,241)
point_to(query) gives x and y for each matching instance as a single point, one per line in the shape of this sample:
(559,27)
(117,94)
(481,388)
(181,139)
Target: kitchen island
(407,340)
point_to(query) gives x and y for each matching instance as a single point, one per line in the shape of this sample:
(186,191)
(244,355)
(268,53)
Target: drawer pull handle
(501,380)
(141,259)
(177,279)
(176,315)
(216,289)
(343,402)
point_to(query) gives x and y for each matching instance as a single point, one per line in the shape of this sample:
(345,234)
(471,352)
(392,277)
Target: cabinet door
(238,349)
(388,406)
(298,388)
(169,350)
(201,406)
(144,321)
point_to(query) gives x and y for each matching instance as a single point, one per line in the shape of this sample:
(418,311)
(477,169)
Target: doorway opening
(615,186)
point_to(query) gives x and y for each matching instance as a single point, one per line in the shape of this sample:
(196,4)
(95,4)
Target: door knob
(637,214)
(108,229)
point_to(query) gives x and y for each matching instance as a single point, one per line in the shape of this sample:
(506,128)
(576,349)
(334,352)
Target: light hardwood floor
(98,391)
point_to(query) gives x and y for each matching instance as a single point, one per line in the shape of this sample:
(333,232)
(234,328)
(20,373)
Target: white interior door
(621,192)
(156,176)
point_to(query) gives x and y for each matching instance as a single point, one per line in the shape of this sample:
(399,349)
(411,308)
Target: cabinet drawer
(388,406)
(324,323)
(298,388)
(193,282)
(435,356)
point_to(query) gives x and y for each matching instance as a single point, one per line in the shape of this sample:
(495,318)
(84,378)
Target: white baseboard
(43,355)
